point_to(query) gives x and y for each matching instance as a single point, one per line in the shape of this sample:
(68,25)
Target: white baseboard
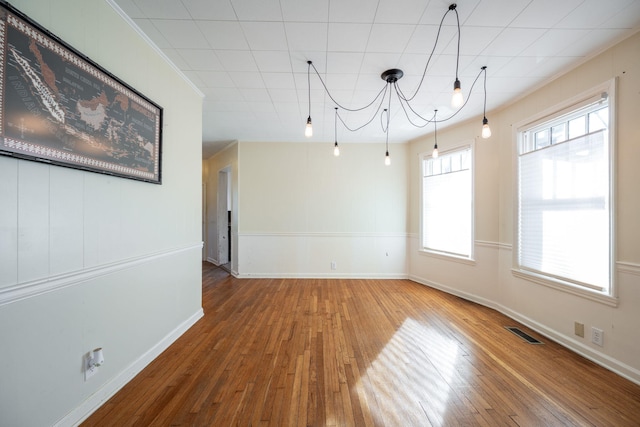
(380,276)
(622,369)
(89,406)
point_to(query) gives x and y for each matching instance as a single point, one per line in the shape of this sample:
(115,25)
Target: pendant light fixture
(391,88)
(457,100)
(308,130)
(486,130)
(336,149)
(435,135)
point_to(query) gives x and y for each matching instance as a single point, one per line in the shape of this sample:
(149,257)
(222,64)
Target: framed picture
(59,107)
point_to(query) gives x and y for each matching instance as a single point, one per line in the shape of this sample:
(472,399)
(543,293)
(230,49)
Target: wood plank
(312,352)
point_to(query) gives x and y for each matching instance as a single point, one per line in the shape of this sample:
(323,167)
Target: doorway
(224,218)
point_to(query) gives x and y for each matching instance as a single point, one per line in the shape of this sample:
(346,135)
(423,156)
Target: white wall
(302,208)
(89,260)
(490,280)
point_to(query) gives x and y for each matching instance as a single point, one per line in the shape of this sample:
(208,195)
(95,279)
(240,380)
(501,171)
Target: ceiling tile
(220,10)
(223,35)
(279,80)
(352,11)
(181,34)
(436,11)
(305,37)
(554,41)
(497,14)
(163,9)
(348,37)
(213,78)
(200,59)
(400,11)
(389,37)
(593,41)
(344,63)
(270,61)
(592,13)
(424,37)
(512,41)
(253,95)
(247,80)
(237,60)
(265,35)
(258,10)
(222,94)
(305,10)
(544,13)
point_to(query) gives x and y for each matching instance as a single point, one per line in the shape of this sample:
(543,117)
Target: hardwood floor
(286,352)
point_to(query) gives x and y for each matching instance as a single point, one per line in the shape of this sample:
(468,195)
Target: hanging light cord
(458,21)
(435,44)
(427,121)
(309,84)
(335,125)
(484,110)
(336,102)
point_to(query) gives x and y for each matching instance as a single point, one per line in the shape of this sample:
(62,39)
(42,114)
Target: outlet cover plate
(597,336)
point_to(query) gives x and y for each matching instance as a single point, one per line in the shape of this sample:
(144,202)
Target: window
(564,198)
(447,203)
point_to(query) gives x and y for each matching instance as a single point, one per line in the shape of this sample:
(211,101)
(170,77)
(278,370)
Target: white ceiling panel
(237,60)
(593,13)
(545,13)
(181,33)
(265,35)
(400,11)
(496,13)
(257,10)
(306,36)
(353,11)
(305,10)
(223,35)
(348,37)
(272,61)
(249,57)
(218,10)
(389,37)
(162,9)
(200,59)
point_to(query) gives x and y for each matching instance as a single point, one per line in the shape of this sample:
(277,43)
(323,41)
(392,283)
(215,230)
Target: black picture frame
(60,107)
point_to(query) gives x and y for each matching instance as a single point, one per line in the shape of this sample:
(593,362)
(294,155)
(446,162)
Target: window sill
(565,287)
(447,257)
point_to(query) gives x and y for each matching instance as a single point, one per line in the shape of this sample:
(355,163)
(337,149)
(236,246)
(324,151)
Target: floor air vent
(528,338)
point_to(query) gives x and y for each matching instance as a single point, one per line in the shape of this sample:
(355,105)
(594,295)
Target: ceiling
(249,57)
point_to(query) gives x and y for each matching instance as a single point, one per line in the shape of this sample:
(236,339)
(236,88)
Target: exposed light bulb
(336,150)
(457,100)
(308,130)
(486,130)
(435,152)
(387,159)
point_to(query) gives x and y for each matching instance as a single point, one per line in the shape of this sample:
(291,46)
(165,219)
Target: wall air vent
(528,338)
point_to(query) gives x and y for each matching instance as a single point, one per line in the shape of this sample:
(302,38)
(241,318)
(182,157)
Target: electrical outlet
(597,336)
(578,329)
(334,265)
(89,368)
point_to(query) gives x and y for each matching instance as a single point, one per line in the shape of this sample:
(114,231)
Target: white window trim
(584,98)
(440,254)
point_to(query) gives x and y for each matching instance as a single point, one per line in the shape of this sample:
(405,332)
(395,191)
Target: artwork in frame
(59,107)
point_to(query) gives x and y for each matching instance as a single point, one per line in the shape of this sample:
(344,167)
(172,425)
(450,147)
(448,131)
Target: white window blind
(564,206)
(447,203)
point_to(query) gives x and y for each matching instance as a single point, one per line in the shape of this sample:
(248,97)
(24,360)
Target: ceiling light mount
(392,75)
